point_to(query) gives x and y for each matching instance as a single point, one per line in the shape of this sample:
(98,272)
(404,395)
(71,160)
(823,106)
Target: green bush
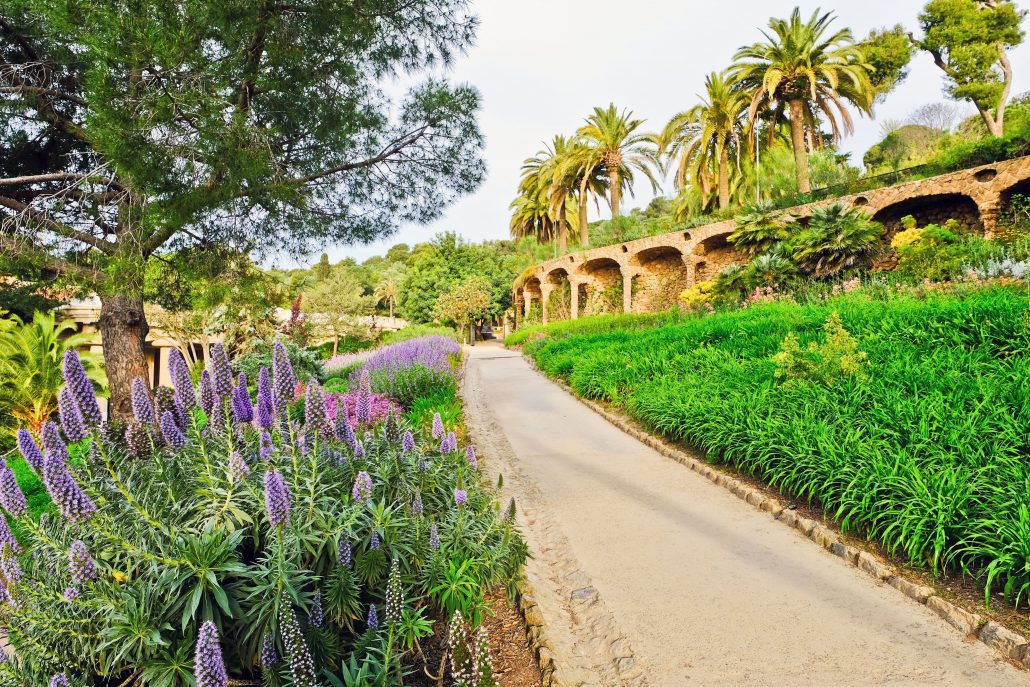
(407,385)
(417,331)
(307,362)
(823,363)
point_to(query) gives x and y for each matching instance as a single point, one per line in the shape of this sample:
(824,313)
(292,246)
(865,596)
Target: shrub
(824,363)
(414,368)
(837,239)
(290,551)
(699,296)
(306,362)
(760,228)
(418,331)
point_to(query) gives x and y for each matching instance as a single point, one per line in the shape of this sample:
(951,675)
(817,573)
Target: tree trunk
(584,227)
(797,139)
(391,308)
(563,229)
(336,344)
(724,178)
(123,329)
(615,191)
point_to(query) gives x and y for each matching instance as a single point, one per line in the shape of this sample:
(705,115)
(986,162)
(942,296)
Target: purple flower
(221,373)
(438,429)
(445,445)
(470,457)
(71,418)
(29,451)
(53,446)
(58,680)
(137,440)
(265,402)
(10,571)
(71,594)
(434,537)
(362,490)
(11,497)
(277,499)
(185,394)
(460,496)
(171,432)
(238,468)
(209,668)
(80,563)
(7,540)
(374,542)
(315,417)
(343,552)
(241,407)
(373,619)
(285,380)
(408,442)
(302,666)
(207,393)
(421,465)
(359,451)
(267,447)
(363,407)
(416,505)
(269,656)
(316,616)
(86,397)
(452,442)
(344,430)
(71,501)
(142,408)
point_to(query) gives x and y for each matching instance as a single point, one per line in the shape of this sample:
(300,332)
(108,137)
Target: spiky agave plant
(216,542)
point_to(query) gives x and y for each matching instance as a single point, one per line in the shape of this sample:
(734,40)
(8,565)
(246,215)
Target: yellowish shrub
(698,296)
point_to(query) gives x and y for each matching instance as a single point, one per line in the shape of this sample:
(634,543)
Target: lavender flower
(208,666)
(86,397)
(142,408)
(221,373)
(460,497)
(285,380)
(7,539)
(470,457)
(29,451)
(265,402)
(267,447)
(71,418)
(445,445)
(359,451)
(452,443)
(302,667)
(434,537)
(137,440)
(343,553)
(53,446)
(374,542)
(316,616)
(408,442)
(58,680)
(438,429)
(208,399)
(71,594)
(373,618)
(184,391)
(11,497)
(277,499)
(238,468)
(269,656)
(80,563)
(171,432)
(362,490)
(363,408)
(242,410)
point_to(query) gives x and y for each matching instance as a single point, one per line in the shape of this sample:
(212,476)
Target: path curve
(649,574)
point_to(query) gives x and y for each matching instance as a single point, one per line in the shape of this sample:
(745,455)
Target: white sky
(542,65)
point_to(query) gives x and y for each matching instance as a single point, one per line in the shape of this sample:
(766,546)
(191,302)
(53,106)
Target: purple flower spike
(53,446)
(359,450)
(374,542)
(362,487)
(460,496)
(10,571)
(285,380)
(137,440)
(142,408)
(445,445)
(71,501)
(80,564)
(408,442)
(29,451)
(373,618)
(207,393)
(171,432)
(71,418)
(58,680)
(277,499)
(269,655)
(11,496)
(86,397)
(316,616)
(452,443)
(363,408)
(267,447)
(242,410)
(71,594)
(238,468)
(185,394)
(221,373)
(209,668)
(434,537)
(316,419)
(470,457)
(438,429)
(416,505)
(7,540)
(265,402)
(344,431)
(343,553)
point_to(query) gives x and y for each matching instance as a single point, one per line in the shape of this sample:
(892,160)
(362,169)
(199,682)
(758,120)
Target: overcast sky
(542,65)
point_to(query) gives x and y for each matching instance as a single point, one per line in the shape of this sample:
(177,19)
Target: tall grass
(929,454)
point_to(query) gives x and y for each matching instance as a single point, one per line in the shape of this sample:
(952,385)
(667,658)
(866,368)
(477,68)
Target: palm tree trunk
(724,177)
(797,139)
(563,229)
(615,191)
(584,227)
(391,308)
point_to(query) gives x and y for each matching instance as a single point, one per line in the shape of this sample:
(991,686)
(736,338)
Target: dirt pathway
(649,574)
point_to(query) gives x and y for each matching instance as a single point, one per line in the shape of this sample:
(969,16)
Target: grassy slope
(930,455)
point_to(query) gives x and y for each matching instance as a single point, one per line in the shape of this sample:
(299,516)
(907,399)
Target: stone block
(960,619)
(1004,641)
(869,563)
(916,592)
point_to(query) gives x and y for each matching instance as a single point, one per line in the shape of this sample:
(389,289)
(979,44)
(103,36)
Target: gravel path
(648,574)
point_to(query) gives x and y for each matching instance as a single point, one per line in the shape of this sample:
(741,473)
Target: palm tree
(549,186)
(702,138)
(389,286)
(760,228)
(805,69)
(579,172)
(837,239)
(620,149)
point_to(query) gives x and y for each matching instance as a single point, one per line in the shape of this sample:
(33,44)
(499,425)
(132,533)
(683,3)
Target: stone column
(688,265)
(528,297)
(545,295)
(574,300)
(627,290)
(989,213)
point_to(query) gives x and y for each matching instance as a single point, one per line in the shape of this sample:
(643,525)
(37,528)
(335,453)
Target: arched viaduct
(657,265)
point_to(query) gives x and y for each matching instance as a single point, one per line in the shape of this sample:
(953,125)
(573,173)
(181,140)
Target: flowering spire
(316,615)
(221,373)
(362,490)
(394,594)
(470,457)
(267,448)
(343,551)
(80,564)
(363,406)
(438,429)
(373,618)
(71,418)
(58,680)
(30,451)
(242,409)
(408,442)
(452,443)
(208,665)
(359,450)
(184,391)
(265,400)
(7,539)
(137,440)
(171,432)
(269,656)
(283,377)
(277,499)
(434,537)
(71,501)
(207,393)
(302,666)
(416,504)
(53,445)
(316,419)
(86,397)
(344,431)
(142,408)
(460,497)
(11,497)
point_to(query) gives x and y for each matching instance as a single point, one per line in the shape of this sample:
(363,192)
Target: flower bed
(217,537)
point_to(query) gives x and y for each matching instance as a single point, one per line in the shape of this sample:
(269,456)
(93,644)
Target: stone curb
(536,634)
(1010,645)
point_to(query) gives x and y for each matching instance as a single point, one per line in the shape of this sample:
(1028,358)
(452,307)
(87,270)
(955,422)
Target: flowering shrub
(699,296)
(413,369)
(213,540)
(345,362)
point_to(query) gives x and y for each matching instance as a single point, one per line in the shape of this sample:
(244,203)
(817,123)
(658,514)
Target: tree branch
(36,90)
(48,223)
(19,246)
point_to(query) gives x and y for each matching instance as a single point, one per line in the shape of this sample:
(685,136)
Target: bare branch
(47,223)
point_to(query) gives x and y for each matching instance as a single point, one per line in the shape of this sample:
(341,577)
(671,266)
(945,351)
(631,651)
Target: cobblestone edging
(1010,645)
(571,632)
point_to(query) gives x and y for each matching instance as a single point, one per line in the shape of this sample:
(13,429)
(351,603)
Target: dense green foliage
(925,453)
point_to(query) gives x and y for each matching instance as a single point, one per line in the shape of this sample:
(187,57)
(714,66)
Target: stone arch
(712,255)
(935,208)
(531,295)
(1018,188)
(662,276)
(556,294)
(597,276)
